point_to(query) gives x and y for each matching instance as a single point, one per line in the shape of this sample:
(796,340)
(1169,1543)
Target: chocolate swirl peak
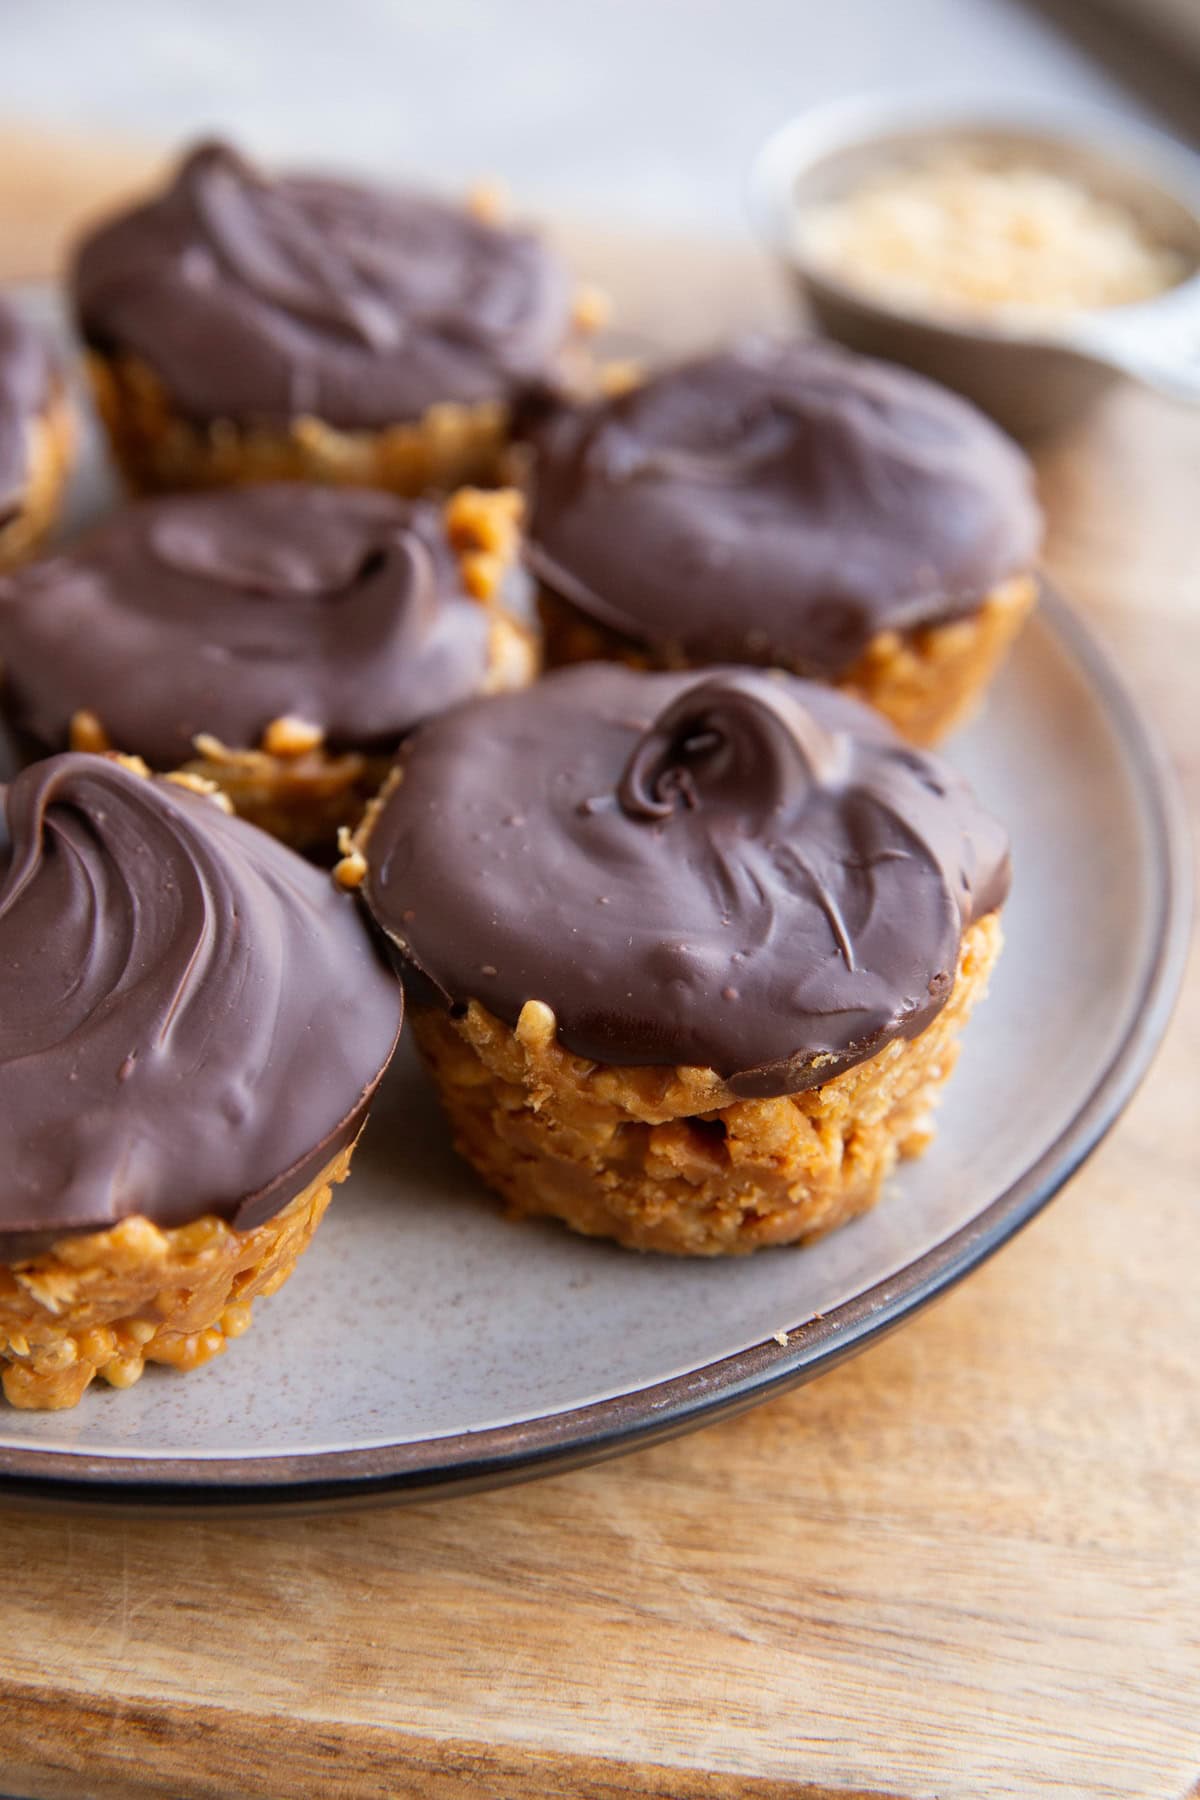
(778,503)
(192,1020)
(220,612)
(257,299)
(26,380)
(733,870)
(729,744)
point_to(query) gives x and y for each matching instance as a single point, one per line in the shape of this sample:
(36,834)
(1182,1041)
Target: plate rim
(465,1462)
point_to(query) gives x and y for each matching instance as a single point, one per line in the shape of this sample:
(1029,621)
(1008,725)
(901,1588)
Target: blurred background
(646,110)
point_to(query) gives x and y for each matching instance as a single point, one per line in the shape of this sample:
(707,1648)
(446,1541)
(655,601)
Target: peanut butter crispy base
(668,1159)
(52,445)
(160,451)
(925,682)
(108,1302)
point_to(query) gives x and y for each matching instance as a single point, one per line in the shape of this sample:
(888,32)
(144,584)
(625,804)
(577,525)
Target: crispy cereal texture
(667,1158)
(51,449)
(926,682)
(158,451)
(296,786)
(108,1302)
(303,800)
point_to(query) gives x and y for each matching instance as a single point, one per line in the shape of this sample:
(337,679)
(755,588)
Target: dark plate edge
(561,1441)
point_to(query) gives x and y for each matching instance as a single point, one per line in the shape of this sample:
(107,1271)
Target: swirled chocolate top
(255,299)
(779,502)
(26,379)
(220,612)
(727,869)
(192,1020)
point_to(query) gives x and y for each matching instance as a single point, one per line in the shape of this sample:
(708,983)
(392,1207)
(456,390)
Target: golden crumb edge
(51,451)
(926,682)
(108,1302)
(668,1159)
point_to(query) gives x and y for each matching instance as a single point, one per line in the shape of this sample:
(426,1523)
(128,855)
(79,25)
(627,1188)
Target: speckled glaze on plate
(425,1345)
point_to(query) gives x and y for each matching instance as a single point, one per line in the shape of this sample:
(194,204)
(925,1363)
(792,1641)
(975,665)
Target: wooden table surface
(965,1565)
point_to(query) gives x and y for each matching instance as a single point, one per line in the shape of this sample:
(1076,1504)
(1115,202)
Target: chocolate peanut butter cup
(35,437)
(192,1024)
(789,504)
(250,328)
(687,953)
(279,640)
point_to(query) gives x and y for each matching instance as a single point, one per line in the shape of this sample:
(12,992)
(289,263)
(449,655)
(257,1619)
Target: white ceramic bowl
(1027,377)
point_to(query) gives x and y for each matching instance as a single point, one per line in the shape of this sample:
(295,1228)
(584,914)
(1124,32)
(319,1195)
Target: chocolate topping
(254,299)
(220,612)
(734,870)
(779,502)
(192,1019)
(26,377)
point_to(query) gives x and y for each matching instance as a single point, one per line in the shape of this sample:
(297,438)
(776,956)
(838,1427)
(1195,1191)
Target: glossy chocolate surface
(192,1020)
(728,869)
(255,299)
(220,612)
(778,502)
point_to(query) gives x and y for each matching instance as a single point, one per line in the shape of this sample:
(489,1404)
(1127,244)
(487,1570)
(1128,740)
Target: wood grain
(966,1565)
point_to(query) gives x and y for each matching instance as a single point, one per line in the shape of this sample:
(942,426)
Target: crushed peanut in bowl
(961,232)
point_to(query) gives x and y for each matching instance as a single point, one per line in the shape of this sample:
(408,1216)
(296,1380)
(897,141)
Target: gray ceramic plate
(424,1344)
